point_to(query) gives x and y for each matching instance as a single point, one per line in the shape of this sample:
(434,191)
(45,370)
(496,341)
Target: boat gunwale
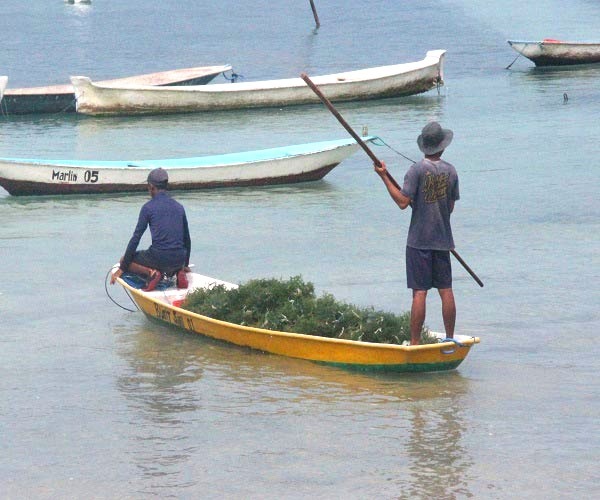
(432,58)
(166,78)
(119,165)
(546,42)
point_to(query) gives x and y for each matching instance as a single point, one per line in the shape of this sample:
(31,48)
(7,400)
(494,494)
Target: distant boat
(371,83)
(78,1)
(298,163)
(550,52)
(61,98)
(165,306)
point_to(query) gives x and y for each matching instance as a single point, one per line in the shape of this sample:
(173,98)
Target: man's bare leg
(136,268)
(417,315)
(448,310)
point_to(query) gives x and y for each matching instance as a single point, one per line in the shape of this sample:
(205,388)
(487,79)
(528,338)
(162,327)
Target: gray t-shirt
(431,186)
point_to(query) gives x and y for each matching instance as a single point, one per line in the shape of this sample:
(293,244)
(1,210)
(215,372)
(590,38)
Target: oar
(314,11)
(376,160)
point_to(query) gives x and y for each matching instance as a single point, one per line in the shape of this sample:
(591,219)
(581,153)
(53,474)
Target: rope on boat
(73,104)
(508,67)
(383,143)
(234,76)
(453,340)
(452,350)
(113,300)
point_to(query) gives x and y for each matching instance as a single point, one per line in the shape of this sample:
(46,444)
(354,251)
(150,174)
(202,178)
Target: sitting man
(169,252)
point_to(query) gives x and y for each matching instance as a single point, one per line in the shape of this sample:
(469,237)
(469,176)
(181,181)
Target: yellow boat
(165,305)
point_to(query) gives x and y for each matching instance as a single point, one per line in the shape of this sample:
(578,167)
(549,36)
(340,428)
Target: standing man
(430,188)
(171,245)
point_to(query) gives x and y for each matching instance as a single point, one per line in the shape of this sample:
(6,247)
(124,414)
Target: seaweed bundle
(292,306)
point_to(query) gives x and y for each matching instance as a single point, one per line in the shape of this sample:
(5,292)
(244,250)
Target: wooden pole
(335,113)
(377,162)
(467,268)
(314,11)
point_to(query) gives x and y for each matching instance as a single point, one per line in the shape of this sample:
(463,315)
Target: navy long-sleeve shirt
(171,242)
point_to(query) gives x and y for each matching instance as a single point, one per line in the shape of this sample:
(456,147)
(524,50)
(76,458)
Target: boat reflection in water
(201,411)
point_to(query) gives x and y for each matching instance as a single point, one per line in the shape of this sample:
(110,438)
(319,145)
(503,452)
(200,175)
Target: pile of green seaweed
(292,306)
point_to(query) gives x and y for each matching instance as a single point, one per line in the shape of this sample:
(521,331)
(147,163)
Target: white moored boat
(371,83)
(550,52)
(297,163)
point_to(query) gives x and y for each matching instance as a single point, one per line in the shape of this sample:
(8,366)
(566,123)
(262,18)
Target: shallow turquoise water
(100,402)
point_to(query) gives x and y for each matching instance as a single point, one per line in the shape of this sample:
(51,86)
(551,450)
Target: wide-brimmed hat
(158,177)
(434,138)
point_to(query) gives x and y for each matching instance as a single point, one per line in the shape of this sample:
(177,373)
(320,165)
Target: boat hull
(366,84)
(555,53)
(363,356)
(61,98)
(299,163)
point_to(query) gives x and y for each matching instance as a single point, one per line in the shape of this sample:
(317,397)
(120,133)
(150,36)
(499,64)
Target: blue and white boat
(282,165)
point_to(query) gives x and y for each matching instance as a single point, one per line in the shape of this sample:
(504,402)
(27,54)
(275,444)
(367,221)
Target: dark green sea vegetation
(292,306)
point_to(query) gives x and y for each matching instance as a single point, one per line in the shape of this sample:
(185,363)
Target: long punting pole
(314,11)
(376,160)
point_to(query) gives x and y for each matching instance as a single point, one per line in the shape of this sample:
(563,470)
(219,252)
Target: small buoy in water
(565,97)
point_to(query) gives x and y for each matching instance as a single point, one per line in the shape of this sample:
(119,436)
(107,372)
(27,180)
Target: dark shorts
(427,269)
(145,258)
(167,264)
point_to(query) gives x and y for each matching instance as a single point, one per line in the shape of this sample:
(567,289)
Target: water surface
(100,402)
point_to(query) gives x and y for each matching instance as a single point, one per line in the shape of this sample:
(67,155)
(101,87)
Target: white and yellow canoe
(165,306)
